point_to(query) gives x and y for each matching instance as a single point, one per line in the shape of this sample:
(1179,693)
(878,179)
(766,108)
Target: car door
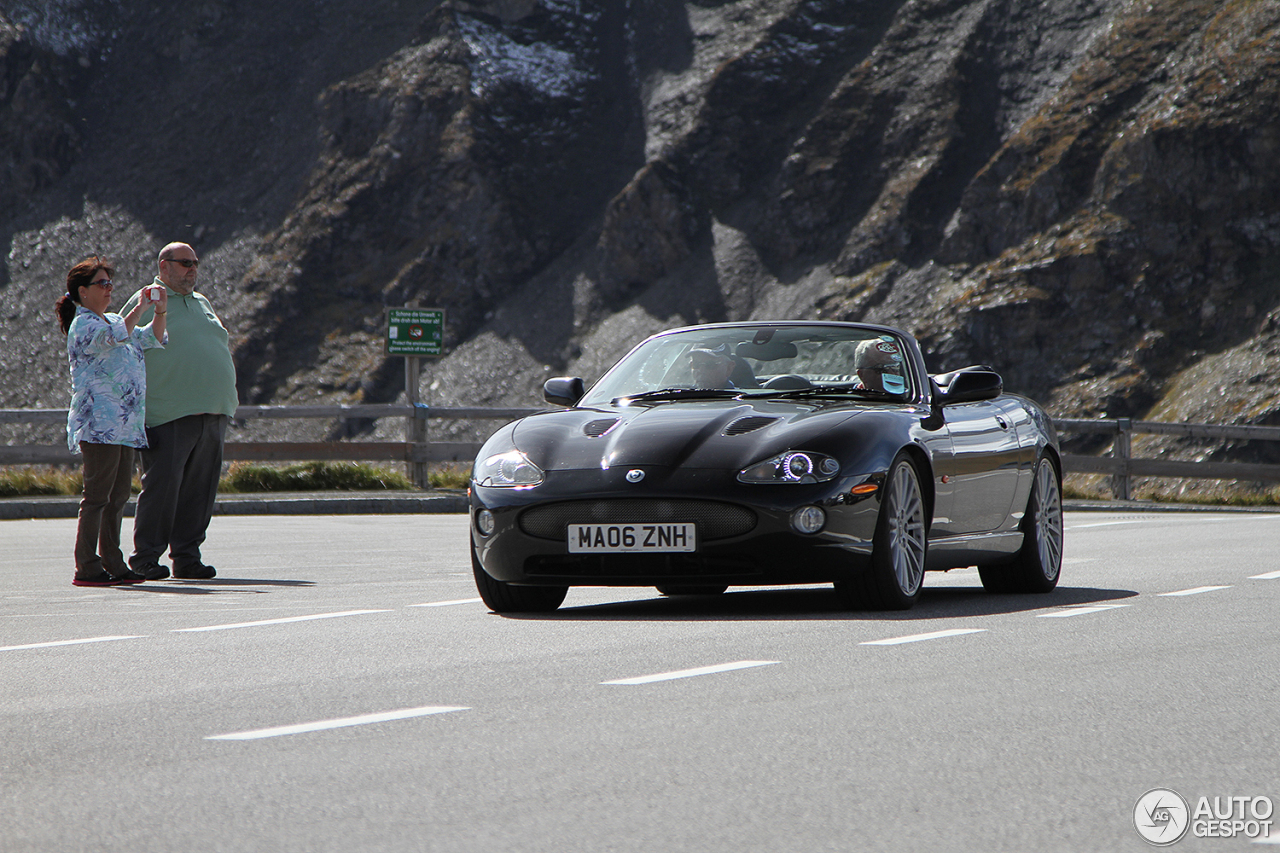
(984,467)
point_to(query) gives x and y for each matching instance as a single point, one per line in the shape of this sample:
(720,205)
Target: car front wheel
(896,575)
(502,597)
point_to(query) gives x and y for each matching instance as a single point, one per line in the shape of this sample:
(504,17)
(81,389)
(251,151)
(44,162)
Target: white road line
(690,673)
(279,621)
(1195,591)
(915,638)
(344,722)
(447,603)
(1269,576)
(69,643)
(1079,610)
(1104,524)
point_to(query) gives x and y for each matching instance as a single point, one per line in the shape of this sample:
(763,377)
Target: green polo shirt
(194,374)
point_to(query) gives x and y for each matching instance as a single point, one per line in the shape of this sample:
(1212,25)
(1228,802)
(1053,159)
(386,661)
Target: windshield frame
(659,370)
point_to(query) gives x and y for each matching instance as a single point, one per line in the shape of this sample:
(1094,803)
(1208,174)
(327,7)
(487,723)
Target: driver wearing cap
(872,359)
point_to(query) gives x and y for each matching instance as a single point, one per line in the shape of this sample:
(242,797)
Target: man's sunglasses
(184,261)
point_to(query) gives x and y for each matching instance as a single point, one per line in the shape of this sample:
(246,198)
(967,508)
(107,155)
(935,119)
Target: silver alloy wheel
(906,528)
(1048,519)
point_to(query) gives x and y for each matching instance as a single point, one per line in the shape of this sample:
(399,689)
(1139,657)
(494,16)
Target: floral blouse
(108,380)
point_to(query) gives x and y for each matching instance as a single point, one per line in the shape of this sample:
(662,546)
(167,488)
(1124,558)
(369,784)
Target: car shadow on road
(788,603)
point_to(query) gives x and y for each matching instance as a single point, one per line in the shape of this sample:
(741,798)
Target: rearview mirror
(563,390)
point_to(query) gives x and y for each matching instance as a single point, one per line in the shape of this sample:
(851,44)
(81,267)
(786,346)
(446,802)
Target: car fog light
(484,522)
(808,519)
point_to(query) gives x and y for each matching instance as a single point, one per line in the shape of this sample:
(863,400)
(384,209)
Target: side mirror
(970,386)
(563,390)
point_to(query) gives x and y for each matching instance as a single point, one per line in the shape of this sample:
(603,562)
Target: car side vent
(749,424)
(595,429)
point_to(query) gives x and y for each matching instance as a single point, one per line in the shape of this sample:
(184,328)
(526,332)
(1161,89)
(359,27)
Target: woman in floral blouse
(108,392)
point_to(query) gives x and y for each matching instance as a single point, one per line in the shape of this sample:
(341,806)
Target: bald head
(178,267)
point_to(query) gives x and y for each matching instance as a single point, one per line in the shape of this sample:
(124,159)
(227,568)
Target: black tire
(896,575)
(502,597)
(691,589)
(1039,562)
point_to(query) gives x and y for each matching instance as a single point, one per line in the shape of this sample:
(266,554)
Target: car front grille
(715,520)
(640,566)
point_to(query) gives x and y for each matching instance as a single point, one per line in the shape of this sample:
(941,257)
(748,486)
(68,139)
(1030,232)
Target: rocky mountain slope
(1082,193)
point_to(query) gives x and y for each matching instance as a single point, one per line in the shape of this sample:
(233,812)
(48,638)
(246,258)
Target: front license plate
(625,538)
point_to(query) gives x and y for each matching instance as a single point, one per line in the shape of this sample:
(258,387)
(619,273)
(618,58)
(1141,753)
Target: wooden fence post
(1122,449)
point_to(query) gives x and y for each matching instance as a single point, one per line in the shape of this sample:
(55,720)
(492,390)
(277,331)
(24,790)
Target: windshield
(760,360)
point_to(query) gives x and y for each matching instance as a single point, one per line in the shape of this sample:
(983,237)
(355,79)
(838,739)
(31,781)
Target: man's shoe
(100,579)
(127,576)
(151,571)
(194,572)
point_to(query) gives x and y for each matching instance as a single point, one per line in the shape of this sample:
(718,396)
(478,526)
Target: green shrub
(311,477)
(24,481)
(28,481)
(455,476)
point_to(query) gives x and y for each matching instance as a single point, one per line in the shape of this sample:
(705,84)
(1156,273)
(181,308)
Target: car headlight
(794,466)
(507,470)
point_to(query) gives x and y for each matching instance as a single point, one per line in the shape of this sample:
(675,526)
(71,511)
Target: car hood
(722,434)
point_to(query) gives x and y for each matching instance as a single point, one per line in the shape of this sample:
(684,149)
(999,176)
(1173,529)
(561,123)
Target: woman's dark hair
(81,275)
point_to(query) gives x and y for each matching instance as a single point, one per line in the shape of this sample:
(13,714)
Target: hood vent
(595,429)
(743,426)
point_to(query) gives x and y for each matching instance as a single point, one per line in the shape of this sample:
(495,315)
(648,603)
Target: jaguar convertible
(761,453)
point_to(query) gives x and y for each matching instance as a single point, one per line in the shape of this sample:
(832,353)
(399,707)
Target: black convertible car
(769,453)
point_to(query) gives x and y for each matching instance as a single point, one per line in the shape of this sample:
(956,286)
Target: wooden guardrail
(415,453)
(416,450)
(1122,466)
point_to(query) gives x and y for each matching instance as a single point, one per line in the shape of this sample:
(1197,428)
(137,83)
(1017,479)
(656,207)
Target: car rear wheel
(896,575)
(691,589)
(1039,562)
(502,597)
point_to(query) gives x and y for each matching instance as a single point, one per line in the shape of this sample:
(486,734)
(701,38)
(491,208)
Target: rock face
(1082,193)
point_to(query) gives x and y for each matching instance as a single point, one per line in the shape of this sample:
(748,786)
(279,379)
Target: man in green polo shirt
(191,393)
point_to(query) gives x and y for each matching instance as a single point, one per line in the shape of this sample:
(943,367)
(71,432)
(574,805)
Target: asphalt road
(339,687)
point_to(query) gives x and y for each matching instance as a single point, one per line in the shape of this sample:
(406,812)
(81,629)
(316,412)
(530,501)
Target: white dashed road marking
(280,621)
(915,638)
(1104,524)
(1079,610)
(1195,591)
(1269,576)
(343,722)
(68,643)
(690,673)
(447,603)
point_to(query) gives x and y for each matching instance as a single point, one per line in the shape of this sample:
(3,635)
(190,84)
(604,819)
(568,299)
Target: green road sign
(415,331)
